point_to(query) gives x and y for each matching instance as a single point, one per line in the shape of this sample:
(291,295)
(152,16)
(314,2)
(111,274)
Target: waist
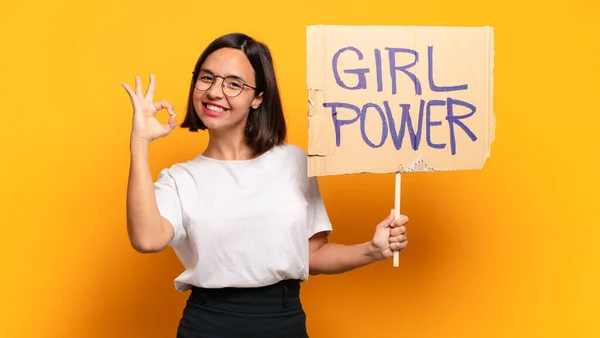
(281,296)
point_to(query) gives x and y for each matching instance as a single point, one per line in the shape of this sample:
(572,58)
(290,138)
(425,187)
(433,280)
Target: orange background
(508,251)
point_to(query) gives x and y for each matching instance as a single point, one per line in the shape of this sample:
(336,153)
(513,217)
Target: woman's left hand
(390,235)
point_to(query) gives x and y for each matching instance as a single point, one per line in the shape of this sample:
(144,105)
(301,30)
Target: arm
(333,258)
(148,231)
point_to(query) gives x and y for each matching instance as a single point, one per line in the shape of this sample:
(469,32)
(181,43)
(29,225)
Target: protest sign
(395,99)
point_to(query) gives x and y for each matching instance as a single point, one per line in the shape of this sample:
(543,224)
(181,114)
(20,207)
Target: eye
(205,78)
(234,84)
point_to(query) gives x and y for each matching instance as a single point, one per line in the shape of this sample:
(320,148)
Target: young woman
(243,217)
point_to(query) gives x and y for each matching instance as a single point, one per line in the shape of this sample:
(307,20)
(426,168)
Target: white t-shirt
(242,223)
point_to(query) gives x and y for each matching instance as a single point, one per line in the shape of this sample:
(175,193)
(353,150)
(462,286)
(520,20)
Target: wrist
(373,252)
(138,146)
(136,140)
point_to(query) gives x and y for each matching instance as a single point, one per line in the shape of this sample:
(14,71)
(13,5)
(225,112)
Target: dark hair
(266,126)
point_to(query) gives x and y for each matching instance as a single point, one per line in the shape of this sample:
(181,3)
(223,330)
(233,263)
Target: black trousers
(273,311)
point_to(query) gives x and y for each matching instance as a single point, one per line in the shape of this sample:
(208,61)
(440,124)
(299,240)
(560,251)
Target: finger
(171,124)
(131,94)
(388,220)
(401,220)
(138,87)
(164,105)
(398,231)
(398,239)
(129,90)
(398,246)
(150,92)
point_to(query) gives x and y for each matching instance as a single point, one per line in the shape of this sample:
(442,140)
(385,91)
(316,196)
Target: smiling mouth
(214,108)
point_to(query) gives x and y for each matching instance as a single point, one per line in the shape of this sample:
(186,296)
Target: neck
(228,145)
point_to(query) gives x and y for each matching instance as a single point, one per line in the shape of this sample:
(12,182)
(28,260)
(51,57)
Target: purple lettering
(456,120)
(360,72)
(430,123)
(384,127)
(337,123)
(393,68)
(405,122)
(432,85)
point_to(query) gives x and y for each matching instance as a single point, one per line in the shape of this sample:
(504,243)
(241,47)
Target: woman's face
(226,103)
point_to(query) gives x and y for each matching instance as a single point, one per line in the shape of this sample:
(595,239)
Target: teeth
(215,108)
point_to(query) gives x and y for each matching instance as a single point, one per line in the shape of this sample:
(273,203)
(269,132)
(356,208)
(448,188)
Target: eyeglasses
(232,85)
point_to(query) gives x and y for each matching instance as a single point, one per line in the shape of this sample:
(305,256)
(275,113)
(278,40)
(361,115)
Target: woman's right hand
(145,125)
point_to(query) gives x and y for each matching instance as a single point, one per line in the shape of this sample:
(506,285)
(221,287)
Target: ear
(256,102)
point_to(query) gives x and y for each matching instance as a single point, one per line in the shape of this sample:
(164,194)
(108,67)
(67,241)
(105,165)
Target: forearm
(147,229)
(333,258)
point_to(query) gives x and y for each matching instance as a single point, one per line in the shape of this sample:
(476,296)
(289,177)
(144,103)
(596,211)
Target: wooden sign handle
(397,211)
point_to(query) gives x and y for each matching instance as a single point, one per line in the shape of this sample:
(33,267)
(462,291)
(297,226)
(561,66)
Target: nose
(216,90)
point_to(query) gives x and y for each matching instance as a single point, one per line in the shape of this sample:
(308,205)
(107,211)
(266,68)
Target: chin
(212,123)
(220,124)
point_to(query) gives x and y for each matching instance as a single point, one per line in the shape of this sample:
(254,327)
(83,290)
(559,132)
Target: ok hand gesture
(145,125)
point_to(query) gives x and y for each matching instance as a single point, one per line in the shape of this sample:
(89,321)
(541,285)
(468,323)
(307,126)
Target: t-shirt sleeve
(169,204)
(317,217)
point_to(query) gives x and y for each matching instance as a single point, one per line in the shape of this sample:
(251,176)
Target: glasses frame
(244,84)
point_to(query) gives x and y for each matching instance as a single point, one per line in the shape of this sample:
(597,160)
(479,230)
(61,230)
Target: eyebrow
(228,75)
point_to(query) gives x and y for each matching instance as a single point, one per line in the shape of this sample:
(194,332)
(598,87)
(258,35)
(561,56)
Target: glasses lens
(232,86)
(204,81)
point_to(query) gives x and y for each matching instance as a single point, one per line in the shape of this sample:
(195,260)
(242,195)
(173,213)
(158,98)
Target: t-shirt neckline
(216,160)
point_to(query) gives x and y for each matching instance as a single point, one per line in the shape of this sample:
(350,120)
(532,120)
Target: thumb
(388,220)
(169,126)
(172,121)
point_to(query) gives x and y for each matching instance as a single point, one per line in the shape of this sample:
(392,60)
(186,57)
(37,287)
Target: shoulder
(178,172)
(295,161)
(292,157)
(291,152)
